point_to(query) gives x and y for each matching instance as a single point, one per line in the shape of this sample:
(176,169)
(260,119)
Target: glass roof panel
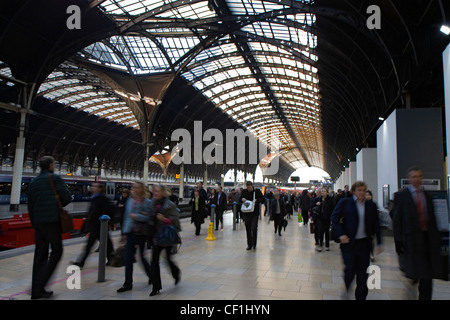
(130,7)
(199,10)
(89,94)
(264,76)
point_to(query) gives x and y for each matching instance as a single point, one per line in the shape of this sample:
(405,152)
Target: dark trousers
(278,222)
(47,235)
(425,289)
(426,284)
(198,219)
(134,240)
(322,228)
(305,216)
(219,217)
(94,235)
(251,226)
(156,272)
(356,257)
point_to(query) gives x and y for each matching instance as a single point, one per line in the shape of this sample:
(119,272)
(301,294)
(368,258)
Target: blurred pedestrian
(165,214)
(136,231)
(100,205)
(417,238)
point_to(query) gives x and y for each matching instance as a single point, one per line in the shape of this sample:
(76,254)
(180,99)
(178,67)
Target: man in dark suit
(417,239)
(355,222)
(220,200)
(277,211)
(251,218)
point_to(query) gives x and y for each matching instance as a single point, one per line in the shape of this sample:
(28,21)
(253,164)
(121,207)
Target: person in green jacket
(44,214)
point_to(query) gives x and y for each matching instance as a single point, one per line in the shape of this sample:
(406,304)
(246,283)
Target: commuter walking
(315,210)
(322,223)
(210,201)
(165,214)
(278,211)
(251,218)
(100,205)
(305,206)
(355,222)
(135,231)
(121,205)
(417,238)
(268,198)
(43,209)
(201,191)
(198,212)
(220,200)
(369,197)
(237,198)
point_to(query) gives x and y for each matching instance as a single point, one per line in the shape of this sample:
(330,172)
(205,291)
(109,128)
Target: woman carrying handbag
(167,224)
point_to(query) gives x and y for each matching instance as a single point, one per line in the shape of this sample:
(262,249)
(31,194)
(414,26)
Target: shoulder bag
(65,218)
(249,205)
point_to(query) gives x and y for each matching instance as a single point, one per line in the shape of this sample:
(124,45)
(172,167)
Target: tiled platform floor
(285,267)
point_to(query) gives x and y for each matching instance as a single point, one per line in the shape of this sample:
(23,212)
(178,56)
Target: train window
(5,188)
(24,187)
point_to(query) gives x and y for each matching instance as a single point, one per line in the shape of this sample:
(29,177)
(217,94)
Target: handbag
(167,236)
(311,227)
(248,206)
(64,216)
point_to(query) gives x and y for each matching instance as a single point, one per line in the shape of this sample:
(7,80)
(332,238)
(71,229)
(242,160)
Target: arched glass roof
(81,89)
(253,59)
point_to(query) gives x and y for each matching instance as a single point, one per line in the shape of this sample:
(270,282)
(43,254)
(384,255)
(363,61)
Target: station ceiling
(306,77)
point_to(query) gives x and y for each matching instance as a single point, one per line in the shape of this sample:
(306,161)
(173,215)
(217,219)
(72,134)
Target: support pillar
(25,98)
(205,177)
(146,159)
(18,165)
(181,192)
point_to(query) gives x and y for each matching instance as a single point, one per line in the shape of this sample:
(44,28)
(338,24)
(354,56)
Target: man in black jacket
(220,200)
(277,211)
(44,214)
(100,205)
(251,218)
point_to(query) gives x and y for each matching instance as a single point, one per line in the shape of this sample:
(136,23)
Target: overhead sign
(427,184)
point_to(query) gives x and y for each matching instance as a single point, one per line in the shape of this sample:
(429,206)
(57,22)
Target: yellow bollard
(211,232)
(211,224)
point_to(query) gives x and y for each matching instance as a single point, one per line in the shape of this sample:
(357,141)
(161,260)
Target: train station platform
(283,267)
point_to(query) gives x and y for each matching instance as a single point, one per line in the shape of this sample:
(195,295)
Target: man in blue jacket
(44,214)
(355,222)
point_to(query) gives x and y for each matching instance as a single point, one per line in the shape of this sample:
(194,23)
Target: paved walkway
(282,267)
